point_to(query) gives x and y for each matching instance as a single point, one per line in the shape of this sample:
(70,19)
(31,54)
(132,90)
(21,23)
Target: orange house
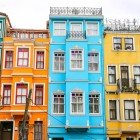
(25,58)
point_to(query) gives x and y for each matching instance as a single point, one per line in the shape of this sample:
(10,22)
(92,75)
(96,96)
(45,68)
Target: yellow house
(25,58)
(122,82)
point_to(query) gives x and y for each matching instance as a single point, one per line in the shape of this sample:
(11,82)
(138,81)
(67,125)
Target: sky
(33,14)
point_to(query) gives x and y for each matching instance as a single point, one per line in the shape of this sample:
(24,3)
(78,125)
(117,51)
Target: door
(125,76)
(6,130)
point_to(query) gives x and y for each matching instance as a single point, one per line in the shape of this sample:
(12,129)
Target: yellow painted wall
(116,128)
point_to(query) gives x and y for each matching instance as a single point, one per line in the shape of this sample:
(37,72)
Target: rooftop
(124,25)
(75,11)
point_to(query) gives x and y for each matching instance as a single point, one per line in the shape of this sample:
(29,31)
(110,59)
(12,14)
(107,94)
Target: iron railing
(76,35)
(82,11)
(126,85)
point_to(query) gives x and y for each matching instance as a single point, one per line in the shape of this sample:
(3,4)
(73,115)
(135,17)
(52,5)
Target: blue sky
(34,13)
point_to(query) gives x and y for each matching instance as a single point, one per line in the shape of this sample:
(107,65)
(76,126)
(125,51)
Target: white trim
(108,74)
(77,48)
(33,97)
(60,92)
(59,22)
(1,94)
(58,71)
(75,22)
(15,88)
(136,65)
(83,95)
(35,55)
(10,120)
(29,53)
(99,60)
(90,22)
(117,109)
(99,104)
(123,114)
(4,57)
(22,111)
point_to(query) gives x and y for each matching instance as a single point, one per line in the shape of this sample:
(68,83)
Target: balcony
(76,11)
(126,85)
(76,35)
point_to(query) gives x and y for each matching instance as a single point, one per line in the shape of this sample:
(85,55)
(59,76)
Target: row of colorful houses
(84,77)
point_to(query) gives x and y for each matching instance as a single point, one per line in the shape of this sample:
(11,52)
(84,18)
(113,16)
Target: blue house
(4,25)
(76,88)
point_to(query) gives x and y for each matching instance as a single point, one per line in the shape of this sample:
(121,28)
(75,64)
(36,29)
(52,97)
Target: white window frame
(99,104)
(1,30)
(134,73)
(135,112)
(108,74)
(91,71)
(113,46)
(128,43)
(59,29)
(81,92)
(38,50)
(92,29)
(76,22)
(58,93)
(117,110)
(59,62)
(71,68)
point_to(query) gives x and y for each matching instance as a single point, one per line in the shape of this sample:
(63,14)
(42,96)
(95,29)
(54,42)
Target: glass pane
(23,91)
(19,91)
(55,108)
(129,104)
(136,70)
(132,117)
(20,62)
(74,108)
(25,62)
(20,55)
(80,108)
(18,99)
(90,108)
(61,109)
(126,115)
(96,108)
(23,99)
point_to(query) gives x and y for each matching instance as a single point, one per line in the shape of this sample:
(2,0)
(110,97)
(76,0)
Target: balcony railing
(82,11)
(126,85)
(76,35)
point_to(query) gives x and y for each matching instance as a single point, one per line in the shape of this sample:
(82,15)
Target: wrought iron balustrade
(126,85)
(76,35)
(87,11)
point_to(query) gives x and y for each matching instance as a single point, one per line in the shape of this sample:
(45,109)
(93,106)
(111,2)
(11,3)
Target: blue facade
(76,87)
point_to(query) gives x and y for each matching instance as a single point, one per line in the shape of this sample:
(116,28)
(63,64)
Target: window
(57,138)
(92,29)
(76,59)
(40,60)
(113,110)
(39,94)
(128,43)
(137,74)
(93,61)
(6,94)
(9,59)
(21,93)
(23,54)
(58,103)
(59,28)
(111,74)
(139,109)
(129,110)
(94,102)
(38,130)
(0,30)
(77,102)
(117,43)
(59,59)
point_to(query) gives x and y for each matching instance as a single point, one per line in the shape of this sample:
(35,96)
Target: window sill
(93,71)
(55,114)
(124,50)
(58,71)
(94,114)
(76,114)
(76,69)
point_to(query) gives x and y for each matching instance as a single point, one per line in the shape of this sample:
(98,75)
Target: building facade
(5,25)
(76,86)
(25,56)
(122,81)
